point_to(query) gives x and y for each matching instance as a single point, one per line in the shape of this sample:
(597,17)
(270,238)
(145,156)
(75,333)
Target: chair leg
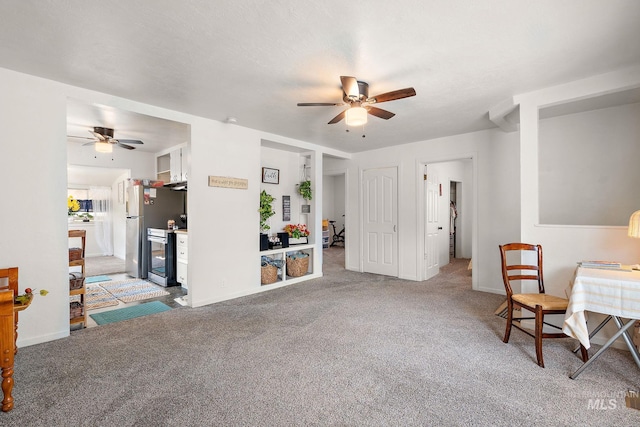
(507,332)
(585,354)
(538,335)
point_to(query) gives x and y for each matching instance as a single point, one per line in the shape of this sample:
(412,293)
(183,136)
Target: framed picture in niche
(271,176)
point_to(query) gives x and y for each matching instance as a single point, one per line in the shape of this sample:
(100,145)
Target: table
(614,292)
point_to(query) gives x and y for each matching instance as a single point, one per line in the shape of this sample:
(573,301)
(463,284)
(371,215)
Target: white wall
(588,167)
(494,192)
(328,191)
(290,176)
(338,200)
(33,123)
(564,245)
(333,199)
(223,223)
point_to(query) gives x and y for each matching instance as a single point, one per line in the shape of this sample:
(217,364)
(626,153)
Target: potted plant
(266,212)
(298,233)
(304,188)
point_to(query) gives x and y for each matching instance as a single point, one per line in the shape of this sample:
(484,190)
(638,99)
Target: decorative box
(298,241)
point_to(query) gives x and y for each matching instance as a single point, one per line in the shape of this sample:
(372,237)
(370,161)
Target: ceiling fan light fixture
(356,116)
(104,147)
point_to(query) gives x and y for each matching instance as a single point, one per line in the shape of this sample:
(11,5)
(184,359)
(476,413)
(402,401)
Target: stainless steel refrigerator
(148,207)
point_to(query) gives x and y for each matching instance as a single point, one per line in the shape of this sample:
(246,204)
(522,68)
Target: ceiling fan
(356,95)
(104,135)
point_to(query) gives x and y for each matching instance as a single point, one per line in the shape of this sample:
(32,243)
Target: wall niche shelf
(281,253)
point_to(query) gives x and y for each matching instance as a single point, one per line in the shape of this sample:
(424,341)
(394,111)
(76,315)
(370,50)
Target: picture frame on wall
(271,176)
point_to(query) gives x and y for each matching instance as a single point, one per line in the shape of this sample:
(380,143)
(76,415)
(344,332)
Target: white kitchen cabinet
(185,156)
(163,168)
(173,166)
(182,258)
(176,165)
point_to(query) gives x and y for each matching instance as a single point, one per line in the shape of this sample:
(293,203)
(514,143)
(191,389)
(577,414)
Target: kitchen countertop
(180,230)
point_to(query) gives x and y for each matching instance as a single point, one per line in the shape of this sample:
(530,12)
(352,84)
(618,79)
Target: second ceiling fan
(105,136)
(356,95)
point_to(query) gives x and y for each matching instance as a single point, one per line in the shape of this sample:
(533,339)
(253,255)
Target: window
(86,204)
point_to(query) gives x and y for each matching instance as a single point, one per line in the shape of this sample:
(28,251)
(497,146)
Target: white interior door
(380,213)
(432,224)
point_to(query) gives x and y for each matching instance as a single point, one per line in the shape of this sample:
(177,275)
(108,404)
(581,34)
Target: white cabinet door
(181,273)
(182,255)
(176,165)
(185,161)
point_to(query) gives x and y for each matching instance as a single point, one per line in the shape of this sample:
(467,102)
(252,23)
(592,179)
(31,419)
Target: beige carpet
(346,349)
(99,265)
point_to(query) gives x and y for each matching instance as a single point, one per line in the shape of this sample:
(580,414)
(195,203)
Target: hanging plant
(266,210)
(305,190)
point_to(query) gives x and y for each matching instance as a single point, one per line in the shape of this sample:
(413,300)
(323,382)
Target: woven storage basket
(76,281)
(75,309)
(75,254)
(268,274)
(297,267)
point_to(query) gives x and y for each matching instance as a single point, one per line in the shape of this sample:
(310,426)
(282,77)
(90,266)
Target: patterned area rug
(97,297)
(133,290)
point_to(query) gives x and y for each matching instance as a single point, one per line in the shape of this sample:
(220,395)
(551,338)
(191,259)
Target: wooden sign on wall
(227,182)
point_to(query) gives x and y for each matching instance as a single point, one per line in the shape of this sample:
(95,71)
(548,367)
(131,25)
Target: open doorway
(99,180)
(100,212)
(446,214)
(334,218)
(455,188)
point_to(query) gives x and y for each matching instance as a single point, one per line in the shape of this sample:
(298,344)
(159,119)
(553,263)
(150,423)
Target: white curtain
(103,218)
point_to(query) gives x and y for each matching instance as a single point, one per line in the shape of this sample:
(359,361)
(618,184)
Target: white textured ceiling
(254,60)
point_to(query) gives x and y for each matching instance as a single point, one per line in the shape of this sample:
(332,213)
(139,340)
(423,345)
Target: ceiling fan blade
(350,87)
(379,112)
(80,137)
(129,141)
(337,118)
(391,96)
(97,135)
(128,147)
(319,104)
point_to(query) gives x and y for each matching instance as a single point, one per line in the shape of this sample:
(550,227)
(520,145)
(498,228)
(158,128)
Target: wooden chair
(8,332)
(515,268)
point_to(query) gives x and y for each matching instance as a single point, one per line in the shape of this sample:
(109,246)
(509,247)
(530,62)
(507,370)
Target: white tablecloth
(611,292)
